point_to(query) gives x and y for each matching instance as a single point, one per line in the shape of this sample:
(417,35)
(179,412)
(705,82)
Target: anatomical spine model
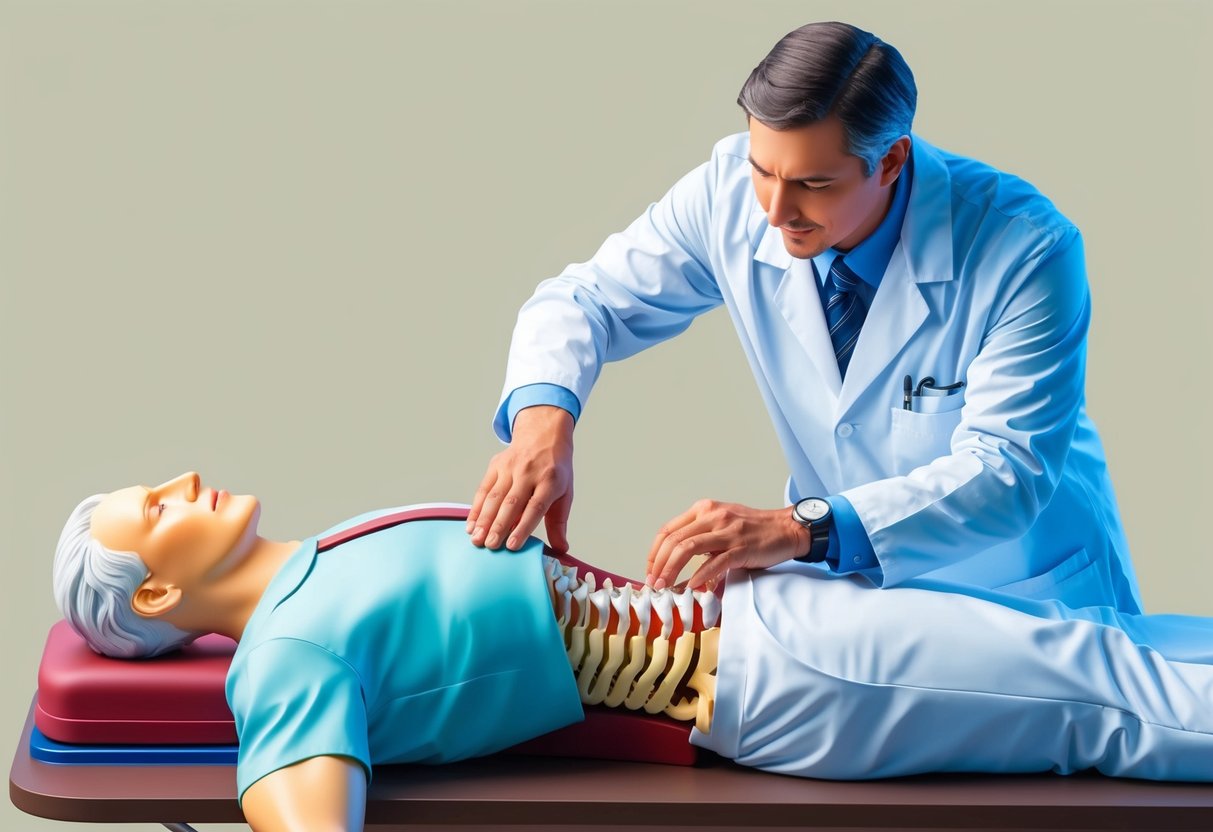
(643,649)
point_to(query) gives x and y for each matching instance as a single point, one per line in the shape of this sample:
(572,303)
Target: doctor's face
(814,191)
(183,532)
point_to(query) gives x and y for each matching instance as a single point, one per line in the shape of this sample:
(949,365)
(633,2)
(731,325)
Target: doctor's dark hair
(824,69)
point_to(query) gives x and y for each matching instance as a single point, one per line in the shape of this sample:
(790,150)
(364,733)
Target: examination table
(92,751)
(510,792)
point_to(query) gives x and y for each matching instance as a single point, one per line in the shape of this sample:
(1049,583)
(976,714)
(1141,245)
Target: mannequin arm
(320,793)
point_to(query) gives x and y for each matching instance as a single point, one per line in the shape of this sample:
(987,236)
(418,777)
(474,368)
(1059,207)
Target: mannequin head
(131,565)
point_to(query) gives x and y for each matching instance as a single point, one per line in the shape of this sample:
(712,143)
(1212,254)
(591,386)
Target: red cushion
(171,699)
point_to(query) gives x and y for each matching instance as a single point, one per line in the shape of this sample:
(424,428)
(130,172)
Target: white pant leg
(1183,638)
(828,677)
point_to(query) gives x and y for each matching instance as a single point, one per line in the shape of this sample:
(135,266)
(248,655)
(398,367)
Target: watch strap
(819,537)
(819,547)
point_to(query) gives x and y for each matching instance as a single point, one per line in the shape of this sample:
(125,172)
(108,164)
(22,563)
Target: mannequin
(523,622)
(411,644)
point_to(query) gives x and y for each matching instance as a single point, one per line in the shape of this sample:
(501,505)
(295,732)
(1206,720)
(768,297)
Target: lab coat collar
(926,235)
(798,301)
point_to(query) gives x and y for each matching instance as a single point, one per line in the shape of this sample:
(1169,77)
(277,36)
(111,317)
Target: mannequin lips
(214,499)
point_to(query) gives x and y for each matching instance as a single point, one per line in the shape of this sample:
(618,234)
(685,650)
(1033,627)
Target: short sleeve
(293,700)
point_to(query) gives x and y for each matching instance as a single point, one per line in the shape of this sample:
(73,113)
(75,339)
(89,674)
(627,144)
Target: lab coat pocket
(1078,581)
(917,437)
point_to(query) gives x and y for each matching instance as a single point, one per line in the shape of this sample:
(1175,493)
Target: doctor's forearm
(530,396)
(987,492)
(644,285)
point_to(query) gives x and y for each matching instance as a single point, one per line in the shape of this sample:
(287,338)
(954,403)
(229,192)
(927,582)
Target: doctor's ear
(893,162)
(152,601)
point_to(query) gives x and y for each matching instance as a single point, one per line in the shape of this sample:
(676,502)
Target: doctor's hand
(731,535)
(529,481)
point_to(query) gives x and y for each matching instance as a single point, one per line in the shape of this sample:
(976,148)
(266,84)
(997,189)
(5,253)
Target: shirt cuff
(850,549)
(530,395)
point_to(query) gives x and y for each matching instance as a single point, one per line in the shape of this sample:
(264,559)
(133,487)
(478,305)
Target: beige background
(284,244)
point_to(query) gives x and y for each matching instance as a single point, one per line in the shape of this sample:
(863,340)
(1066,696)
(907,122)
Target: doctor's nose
(781,209)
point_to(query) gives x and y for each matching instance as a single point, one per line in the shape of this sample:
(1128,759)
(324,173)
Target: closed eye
(764,175)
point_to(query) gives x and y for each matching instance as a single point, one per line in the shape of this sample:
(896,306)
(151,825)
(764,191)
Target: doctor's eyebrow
(758,168)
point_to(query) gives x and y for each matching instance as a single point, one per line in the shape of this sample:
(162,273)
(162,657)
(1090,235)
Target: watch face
(812,508)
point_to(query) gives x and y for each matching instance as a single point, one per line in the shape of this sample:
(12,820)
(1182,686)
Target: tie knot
(842,277)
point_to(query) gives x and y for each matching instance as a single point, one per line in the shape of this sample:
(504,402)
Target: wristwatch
(815,514)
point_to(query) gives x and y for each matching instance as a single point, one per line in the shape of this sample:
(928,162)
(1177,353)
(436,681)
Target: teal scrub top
(406,645)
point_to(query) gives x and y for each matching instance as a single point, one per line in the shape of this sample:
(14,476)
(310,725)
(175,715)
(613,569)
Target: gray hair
(94,586)
(824,69)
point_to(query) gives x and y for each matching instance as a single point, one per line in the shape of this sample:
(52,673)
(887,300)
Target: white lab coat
(1002,486)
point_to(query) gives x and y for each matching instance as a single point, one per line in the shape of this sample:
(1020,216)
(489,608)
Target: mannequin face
(186,534)
(814,191)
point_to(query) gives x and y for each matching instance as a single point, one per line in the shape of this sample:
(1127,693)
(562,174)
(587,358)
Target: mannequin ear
(152,600)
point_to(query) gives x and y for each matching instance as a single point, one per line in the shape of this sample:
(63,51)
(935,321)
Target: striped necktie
(844,312)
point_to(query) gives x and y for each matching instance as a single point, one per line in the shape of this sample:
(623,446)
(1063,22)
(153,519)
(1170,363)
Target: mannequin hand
(530,480)
(731,535)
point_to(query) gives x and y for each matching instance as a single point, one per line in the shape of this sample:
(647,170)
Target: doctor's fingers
(543,502)
(490,501)
(510,504)
(482,493)
(557,521)
(678,549)
(711,572)
(518,509)
(678,524)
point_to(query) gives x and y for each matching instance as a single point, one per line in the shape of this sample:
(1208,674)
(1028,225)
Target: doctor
(916,322)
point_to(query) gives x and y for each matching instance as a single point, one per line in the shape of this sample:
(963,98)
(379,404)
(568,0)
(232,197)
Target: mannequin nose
(187,484)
